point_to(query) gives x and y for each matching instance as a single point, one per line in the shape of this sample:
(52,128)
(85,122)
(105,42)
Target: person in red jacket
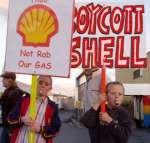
(47,122)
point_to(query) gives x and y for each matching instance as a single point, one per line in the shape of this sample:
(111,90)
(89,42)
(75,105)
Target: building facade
(134,75)
(88,89)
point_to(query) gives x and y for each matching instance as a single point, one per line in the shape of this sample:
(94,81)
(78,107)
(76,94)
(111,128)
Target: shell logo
(37,24)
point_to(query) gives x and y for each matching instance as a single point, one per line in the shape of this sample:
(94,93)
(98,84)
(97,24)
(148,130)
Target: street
(71,134)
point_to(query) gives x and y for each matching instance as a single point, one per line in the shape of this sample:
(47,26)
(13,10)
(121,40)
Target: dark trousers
(92,135)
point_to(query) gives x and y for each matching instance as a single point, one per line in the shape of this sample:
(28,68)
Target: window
(137,73)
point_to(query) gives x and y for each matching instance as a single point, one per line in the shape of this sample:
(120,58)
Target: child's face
(7,82)
(44,85)
(115,95)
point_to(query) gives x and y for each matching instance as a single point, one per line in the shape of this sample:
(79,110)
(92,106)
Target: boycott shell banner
(39,37)
(109,33)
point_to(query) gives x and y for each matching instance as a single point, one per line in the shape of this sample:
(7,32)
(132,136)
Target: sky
(74,72)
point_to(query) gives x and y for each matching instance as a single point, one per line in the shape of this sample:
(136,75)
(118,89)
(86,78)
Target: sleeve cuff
(114,123)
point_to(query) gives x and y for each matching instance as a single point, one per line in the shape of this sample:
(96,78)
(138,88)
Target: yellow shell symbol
(37,24)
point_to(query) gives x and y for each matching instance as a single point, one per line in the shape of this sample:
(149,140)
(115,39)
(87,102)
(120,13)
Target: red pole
(103,87)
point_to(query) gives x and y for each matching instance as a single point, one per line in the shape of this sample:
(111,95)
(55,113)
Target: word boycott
(101,33)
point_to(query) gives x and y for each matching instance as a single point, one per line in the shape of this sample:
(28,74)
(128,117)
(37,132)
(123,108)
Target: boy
(46,124)
(113,126)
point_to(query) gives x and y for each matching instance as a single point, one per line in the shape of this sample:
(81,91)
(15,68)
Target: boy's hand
(35,127)
(27,121)
(105,117)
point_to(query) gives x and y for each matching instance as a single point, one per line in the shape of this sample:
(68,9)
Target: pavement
(70,133)
(140,135)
